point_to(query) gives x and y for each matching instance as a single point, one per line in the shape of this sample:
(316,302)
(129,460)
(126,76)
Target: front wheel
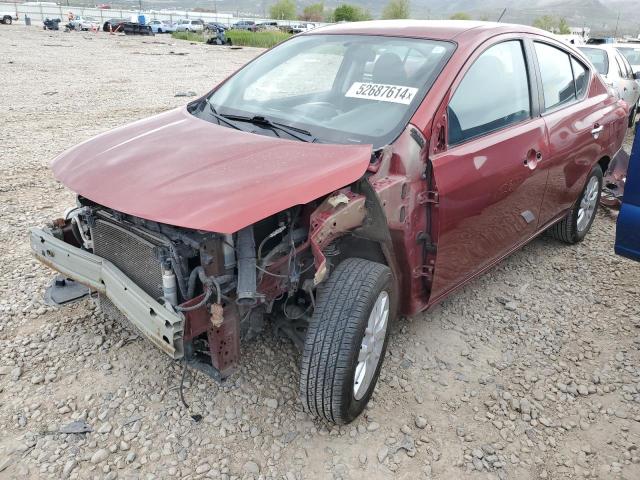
(575,226)
(346,340)
(7,20)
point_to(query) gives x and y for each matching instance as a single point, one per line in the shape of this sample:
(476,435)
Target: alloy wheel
(372,344)
(588,204)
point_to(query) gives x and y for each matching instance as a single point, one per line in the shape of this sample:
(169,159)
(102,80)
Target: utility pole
(617,22)
(140,3)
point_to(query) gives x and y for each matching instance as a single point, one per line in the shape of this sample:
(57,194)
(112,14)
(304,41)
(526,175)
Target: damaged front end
(191,293)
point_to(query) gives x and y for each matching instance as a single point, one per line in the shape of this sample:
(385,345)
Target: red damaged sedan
(350,174)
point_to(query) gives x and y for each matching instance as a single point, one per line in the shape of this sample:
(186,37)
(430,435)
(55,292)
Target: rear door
(489,186)
(575,122)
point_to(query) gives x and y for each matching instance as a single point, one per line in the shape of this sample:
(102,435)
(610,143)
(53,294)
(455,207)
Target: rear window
(631,54)
(598,57)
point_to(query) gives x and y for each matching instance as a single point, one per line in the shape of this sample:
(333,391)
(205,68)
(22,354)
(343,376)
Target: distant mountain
(600,15)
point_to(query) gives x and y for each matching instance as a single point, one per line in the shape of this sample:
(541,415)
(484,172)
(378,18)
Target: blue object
(141,19)
(628,227)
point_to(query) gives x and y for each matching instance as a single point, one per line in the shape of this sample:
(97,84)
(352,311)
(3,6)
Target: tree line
(316,12)
(395,9)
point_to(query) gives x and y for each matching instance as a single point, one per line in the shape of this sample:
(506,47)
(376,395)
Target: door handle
(596,130)
(532,159)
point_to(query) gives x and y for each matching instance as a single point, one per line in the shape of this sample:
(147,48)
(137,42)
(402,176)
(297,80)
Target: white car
(8,17)
(616,71)
(631,52)
(161,26)
(190,26)
(84,23)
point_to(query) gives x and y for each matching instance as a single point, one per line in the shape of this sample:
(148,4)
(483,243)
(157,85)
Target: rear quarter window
(581,76)
(557,75)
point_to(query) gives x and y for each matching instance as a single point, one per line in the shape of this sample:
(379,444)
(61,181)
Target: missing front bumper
(161,326)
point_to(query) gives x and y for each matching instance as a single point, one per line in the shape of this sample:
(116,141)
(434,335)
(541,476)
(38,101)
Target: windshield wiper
(265,122)
(221,118)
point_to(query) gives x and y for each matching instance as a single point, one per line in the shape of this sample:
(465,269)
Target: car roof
(432,29)
(634,46)
(609,47)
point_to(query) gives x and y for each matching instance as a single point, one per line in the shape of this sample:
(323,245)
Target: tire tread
(325,366)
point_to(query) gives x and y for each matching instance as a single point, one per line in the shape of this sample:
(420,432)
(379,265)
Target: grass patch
(191,36)
(242,38)
(266,39)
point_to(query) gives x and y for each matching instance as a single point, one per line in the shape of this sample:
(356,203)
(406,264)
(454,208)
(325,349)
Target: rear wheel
(346,340)
(7,20)
(575,226)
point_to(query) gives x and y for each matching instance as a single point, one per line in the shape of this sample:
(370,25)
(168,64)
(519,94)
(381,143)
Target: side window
(581,76)
(621,71)
(625,66)
(493,94)
(557,77)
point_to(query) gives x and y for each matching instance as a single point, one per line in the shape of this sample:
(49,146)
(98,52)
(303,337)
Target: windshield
(632,54)
(598,57)
(339,88)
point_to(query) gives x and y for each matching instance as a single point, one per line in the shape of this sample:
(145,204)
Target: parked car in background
(161,26)
(628,223)
(348,175)
(8,16)
(190,26)
(297,27)
(245,25)
(112,24)
(617,73)
(631,52)
(81,23)
(215,26)
(51,24)
(600,40)
(267,26)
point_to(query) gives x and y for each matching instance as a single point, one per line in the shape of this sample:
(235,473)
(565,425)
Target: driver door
(490,189)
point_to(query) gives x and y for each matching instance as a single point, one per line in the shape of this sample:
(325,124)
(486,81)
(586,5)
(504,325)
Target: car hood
(177,169)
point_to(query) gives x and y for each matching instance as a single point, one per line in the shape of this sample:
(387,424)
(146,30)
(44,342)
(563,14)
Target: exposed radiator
(133,253)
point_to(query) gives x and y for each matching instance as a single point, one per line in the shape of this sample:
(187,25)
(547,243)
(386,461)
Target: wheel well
(604,164)
(350,246)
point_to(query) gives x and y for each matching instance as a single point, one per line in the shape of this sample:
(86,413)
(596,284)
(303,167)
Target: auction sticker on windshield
(385,93)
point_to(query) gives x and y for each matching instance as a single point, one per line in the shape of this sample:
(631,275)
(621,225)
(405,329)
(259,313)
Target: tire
(159,30)
(333,344)
(572,228)
(7,20)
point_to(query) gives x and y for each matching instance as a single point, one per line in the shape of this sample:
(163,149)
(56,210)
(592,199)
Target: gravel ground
(530,372)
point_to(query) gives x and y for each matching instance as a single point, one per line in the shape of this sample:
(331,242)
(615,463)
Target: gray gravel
(531,371)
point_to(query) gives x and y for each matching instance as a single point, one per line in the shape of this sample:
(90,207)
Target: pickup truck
(7,17)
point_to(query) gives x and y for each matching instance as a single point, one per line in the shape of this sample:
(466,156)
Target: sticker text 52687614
(381,92)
